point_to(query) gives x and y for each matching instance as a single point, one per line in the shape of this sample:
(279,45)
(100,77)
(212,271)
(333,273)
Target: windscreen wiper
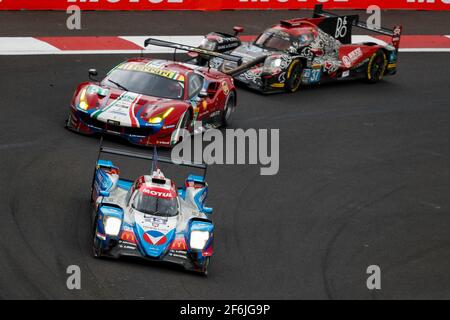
(118,85)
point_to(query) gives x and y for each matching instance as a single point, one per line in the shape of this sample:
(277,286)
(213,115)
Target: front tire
(187,122)
(204,271)
(376,67)
(230,106)
(96,248)
(294,76)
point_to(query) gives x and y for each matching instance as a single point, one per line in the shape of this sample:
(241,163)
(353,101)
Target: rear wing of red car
(394,33)
(183,47)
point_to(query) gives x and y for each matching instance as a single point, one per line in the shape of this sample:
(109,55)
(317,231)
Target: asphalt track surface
(364,179)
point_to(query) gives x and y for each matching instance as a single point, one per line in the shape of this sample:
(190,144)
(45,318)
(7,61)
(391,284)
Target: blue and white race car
(150,217)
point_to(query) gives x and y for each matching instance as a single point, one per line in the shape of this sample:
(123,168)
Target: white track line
(27,45)
(425,50)
(32,46)
(70,52)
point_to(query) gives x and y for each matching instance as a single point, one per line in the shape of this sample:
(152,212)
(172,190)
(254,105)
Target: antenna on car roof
(155,159)
(175,54)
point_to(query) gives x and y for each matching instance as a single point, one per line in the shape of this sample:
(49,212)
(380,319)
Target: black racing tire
(186,124)
(204,271)
(96,250)
(68,121)
(294,76)
(376,67)
(228,110)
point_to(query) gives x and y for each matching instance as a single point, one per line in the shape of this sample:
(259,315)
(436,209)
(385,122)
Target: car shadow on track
(151,265)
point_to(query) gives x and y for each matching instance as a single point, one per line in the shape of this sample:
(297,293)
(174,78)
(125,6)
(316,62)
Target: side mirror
(203,94)
(207,210)
(92,74)
(237,30)
(104,193)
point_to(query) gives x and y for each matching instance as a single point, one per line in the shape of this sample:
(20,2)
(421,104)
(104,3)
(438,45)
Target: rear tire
(376,67)
(294,76)
(230,106)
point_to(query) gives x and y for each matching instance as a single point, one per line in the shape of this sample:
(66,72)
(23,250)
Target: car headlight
(112,226)
(83,105)
(160,117)
(208,45)
(155,120)
(199,239)
(272,65)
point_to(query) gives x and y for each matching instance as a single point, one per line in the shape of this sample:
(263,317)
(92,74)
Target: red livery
(149,101)
(304,51)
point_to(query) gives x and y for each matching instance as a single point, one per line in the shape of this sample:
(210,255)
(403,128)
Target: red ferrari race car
(147,101)
(304,51)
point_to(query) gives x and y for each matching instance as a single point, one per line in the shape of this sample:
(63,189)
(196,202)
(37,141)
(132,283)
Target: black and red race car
(147,101)
(304,51)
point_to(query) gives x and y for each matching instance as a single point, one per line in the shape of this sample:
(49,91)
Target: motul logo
(158,194)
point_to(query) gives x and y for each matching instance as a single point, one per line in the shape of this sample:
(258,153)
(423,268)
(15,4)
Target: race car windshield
(163,207)
(145,83)
(273,41)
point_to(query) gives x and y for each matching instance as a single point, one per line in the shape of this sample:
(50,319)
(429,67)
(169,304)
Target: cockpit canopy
(272,39)
(154,195)
(151,203)
(277,39)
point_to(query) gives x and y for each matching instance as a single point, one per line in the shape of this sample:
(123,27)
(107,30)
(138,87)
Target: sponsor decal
(153,70)
(158,193)
(352,57)
(179,245)
(162,142)
(214,114)
(178,255)
(124,95)
(341,28)
(128,236)
(113,122)
(123,246)
(97,90)
(397,33)
(345,74)
(225,88)
(154,237)
(312,75)
(392,66)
